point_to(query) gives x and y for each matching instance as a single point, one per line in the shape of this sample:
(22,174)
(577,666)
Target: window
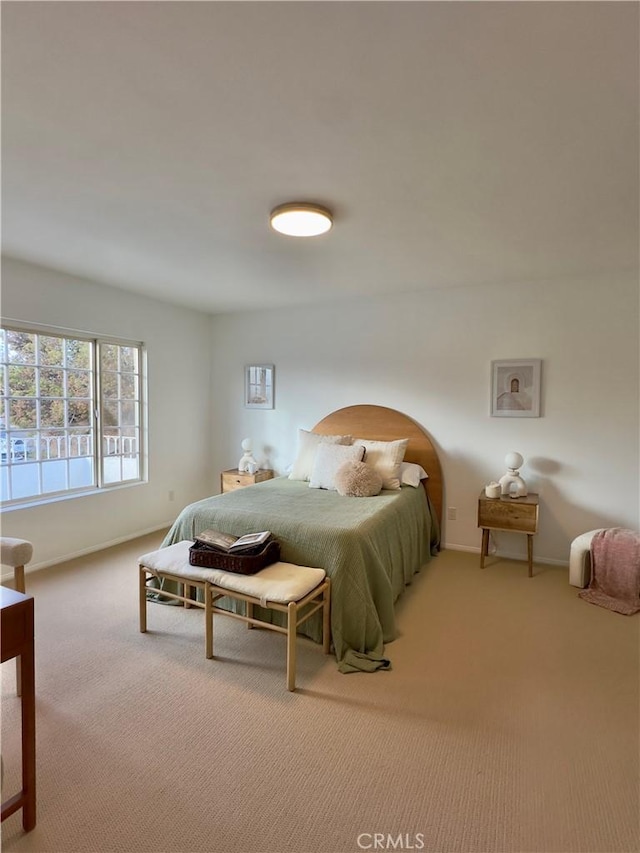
(70,414)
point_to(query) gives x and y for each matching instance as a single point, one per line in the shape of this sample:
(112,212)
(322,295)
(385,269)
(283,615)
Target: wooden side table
(16,619)
(516,515)
(234,479)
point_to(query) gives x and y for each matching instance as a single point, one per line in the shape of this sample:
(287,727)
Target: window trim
(99,486)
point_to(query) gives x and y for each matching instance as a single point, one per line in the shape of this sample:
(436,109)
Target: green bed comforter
(369,547)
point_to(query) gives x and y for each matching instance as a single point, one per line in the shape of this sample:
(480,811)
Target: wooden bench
(298,591)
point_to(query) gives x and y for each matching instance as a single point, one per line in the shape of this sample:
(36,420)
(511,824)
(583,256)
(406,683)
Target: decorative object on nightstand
(493,490)
(512,483)
(247,462)
(518,515)
(236,479)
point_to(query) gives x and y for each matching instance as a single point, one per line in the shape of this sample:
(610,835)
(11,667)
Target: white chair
(580,559)
(16,553)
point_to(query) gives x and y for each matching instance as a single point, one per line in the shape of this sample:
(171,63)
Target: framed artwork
(515,388)
(258,386)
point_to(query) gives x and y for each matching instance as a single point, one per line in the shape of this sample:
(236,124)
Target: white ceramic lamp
(247,462)
(512,483)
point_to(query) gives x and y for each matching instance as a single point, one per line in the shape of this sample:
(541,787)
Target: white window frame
(98,454)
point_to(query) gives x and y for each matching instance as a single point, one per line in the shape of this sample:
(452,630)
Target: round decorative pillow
(357,480)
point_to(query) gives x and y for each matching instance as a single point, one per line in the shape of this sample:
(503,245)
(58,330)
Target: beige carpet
(509,722)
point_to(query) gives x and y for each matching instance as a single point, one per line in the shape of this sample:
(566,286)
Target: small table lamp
(512,483)
(247,462)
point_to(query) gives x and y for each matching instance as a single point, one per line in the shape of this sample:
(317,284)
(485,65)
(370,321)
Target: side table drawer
(508,514)
(234,479)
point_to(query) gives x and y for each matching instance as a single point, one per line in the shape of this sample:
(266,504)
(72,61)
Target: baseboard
(34,567)
(471,549)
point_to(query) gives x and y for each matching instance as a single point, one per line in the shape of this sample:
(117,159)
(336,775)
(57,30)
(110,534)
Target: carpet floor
(509,722)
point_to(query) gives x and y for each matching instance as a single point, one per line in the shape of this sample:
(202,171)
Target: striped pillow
(386,457)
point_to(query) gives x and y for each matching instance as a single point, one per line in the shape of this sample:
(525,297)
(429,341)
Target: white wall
(178,345)
(429,356)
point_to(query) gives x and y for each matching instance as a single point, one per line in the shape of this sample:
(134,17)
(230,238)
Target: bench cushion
(279,582)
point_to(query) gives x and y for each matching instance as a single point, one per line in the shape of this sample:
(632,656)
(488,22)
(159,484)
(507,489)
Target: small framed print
(515,388)
(259,386)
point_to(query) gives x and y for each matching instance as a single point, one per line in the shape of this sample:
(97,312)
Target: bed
(370,547)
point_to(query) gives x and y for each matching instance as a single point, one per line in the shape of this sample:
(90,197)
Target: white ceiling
(458,143)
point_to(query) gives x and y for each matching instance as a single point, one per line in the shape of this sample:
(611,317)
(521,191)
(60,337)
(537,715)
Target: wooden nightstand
(517,515)
(234,479)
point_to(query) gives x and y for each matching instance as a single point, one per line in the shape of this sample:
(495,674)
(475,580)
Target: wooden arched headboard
(382,424)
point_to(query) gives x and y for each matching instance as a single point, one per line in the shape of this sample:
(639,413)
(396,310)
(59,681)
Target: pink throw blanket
(615,571)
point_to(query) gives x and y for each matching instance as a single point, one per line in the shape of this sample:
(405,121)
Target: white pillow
(411,474)
(386,457)
(330,457)
(308,443)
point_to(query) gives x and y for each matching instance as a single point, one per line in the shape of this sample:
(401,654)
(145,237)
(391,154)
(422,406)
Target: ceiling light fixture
(301,219)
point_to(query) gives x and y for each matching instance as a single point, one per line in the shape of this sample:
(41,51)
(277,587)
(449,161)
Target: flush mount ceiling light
(300,219)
